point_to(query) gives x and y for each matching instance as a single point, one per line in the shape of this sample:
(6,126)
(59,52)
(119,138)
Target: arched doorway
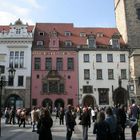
(14,101)
(59,103)
(120,96)
(47,103)
(88,100)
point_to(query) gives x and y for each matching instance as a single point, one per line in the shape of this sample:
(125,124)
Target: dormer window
(91,41)
(68,43)
(18,31)
(39,43)
(67,33)
(115,43)
(41,33)
(82,34)
(115,40)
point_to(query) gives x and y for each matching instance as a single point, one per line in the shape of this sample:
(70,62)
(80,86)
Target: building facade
(15,43)
(127,14)
(103,61)
(78,66)
(54,66)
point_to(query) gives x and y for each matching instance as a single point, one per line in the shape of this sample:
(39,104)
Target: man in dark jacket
(70,122)
(85,121)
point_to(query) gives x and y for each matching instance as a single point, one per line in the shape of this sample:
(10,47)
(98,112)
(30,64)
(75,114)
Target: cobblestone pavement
(13,132)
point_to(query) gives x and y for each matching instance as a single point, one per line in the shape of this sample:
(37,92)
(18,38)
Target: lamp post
(2,84)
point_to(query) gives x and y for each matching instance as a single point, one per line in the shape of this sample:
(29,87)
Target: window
(10,81)
(86,74)
(91,42)
(70,64)
(138,13)
(67,33)
(115,43)
(61,88)
(59,64)
(68,43)
(123,74)
(109,58)
(98,58)
(41,33)
(18,31)
(53,86)
(103,96)
(110,74)
(11,61)
(82,34)
(99,74)
(16,59)
(20,80)
(48,64)
(86,57)
(45,87)
(39,43)
(37,63)
(2,69)
(122,57)
(21,59)
(87,89)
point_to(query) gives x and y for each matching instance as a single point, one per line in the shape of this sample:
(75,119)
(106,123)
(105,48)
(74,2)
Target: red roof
(60,28)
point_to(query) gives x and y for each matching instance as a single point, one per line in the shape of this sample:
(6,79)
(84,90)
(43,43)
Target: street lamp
(2,84)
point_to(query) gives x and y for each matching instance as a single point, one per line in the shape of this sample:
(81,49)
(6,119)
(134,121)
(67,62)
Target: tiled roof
(7,28)
(60,28)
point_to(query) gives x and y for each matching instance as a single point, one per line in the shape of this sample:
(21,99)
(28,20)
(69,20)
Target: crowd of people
(109,123)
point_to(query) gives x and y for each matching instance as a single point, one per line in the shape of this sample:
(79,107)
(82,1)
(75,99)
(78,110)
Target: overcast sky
(83,13)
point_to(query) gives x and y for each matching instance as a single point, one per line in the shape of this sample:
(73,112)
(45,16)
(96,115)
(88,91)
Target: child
(134,127)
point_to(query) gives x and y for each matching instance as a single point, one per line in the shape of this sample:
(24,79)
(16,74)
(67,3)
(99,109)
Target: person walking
(121,119)
(85,121)
(112,121)
(61,115)
(101,127)
(44,125)
(70,122)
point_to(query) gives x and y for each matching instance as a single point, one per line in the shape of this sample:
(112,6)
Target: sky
(82,13)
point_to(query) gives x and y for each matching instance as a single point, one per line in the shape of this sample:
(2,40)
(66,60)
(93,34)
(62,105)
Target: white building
(103,70)
(15,51)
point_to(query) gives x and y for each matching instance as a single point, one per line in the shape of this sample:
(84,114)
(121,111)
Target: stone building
(127,14)
(15,51)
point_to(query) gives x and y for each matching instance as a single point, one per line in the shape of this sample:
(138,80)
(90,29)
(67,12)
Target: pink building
(54,66)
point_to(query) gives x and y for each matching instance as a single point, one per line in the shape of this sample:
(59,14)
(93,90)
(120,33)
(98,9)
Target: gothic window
(98,57)
(99,74)
(59,64)
(109,57)
(37,63)
(86,57)
(110,74)
(87,89)
(103,96)
(48,64)
(70,64)
(86,74)
(61,88)
(122,57)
